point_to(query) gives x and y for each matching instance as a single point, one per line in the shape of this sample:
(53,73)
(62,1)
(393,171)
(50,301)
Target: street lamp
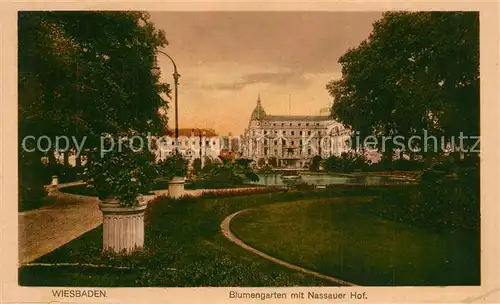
(199,134)
(176,76)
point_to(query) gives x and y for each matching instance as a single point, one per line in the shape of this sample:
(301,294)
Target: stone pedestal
(176,187)
(123,227)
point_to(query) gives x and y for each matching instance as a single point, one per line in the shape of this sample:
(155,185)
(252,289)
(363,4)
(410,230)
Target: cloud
(276,78)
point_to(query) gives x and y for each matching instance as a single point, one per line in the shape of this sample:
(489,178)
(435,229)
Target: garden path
(48,228)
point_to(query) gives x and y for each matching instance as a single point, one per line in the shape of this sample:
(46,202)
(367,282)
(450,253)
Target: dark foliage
(315,162)
(440,201)
(347,162)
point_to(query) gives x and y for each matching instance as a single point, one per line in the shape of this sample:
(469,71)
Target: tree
(416,71)
(88,74)
(273,162)
(94,72)
(197,165)
(315,162)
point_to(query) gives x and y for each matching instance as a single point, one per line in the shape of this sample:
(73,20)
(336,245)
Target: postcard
(247,152)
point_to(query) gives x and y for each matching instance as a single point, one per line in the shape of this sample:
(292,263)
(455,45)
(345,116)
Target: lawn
(342,237)
(184,247)
(328,230)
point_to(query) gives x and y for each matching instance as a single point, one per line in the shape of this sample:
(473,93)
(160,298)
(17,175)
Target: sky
(226,59)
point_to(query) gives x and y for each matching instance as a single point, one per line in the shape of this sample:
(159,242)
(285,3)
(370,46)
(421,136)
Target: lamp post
(176,76)
(199,134)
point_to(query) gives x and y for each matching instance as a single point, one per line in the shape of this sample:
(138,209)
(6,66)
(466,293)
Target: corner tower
(258,113)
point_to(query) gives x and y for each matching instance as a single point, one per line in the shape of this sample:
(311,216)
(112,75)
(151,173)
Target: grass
(341,237)
(330,231)
(184,248)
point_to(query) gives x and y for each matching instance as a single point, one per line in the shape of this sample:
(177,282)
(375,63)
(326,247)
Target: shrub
(32,179)
(303,186)
(197,165)
(175,165)
(347,162)
(123,174)
(227,175)
(408,165)
(315,162)
(266,169)
(440,201)
(273,162)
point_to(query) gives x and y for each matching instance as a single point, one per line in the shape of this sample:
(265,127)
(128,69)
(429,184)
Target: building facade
(293,140)
(194,143)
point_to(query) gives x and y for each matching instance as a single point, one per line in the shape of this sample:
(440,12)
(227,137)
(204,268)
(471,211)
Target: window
(317,124)
(293,133)
(265,132)
(308,132)
(283,142)
(299,125)
(292,143)
(300,132)
(275,142)
(265,141)
(307,124)
(282,124)
(274,124)
(275,152)
(284,132)
(290,124)
(276,132)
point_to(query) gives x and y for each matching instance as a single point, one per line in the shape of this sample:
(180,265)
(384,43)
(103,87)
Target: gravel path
(48,228)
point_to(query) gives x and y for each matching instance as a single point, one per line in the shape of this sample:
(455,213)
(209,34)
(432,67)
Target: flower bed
(238,191)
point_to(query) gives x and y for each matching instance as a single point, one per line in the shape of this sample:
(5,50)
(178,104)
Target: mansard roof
(296,117)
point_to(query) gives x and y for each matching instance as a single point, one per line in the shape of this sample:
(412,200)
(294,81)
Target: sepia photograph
(248,149)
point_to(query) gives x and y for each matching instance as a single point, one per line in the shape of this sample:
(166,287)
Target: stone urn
(123,227)
(176,187)
(55,181)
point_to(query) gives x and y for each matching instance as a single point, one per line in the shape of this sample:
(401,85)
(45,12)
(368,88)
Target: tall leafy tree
(88,73)
(416,71)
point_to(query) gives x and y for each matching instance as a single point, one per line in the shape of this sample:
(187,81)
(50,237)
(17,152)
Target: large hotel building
(293,140)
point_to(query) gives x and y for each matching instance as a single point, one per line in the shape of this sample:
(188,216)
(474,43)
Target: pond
(332,179)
